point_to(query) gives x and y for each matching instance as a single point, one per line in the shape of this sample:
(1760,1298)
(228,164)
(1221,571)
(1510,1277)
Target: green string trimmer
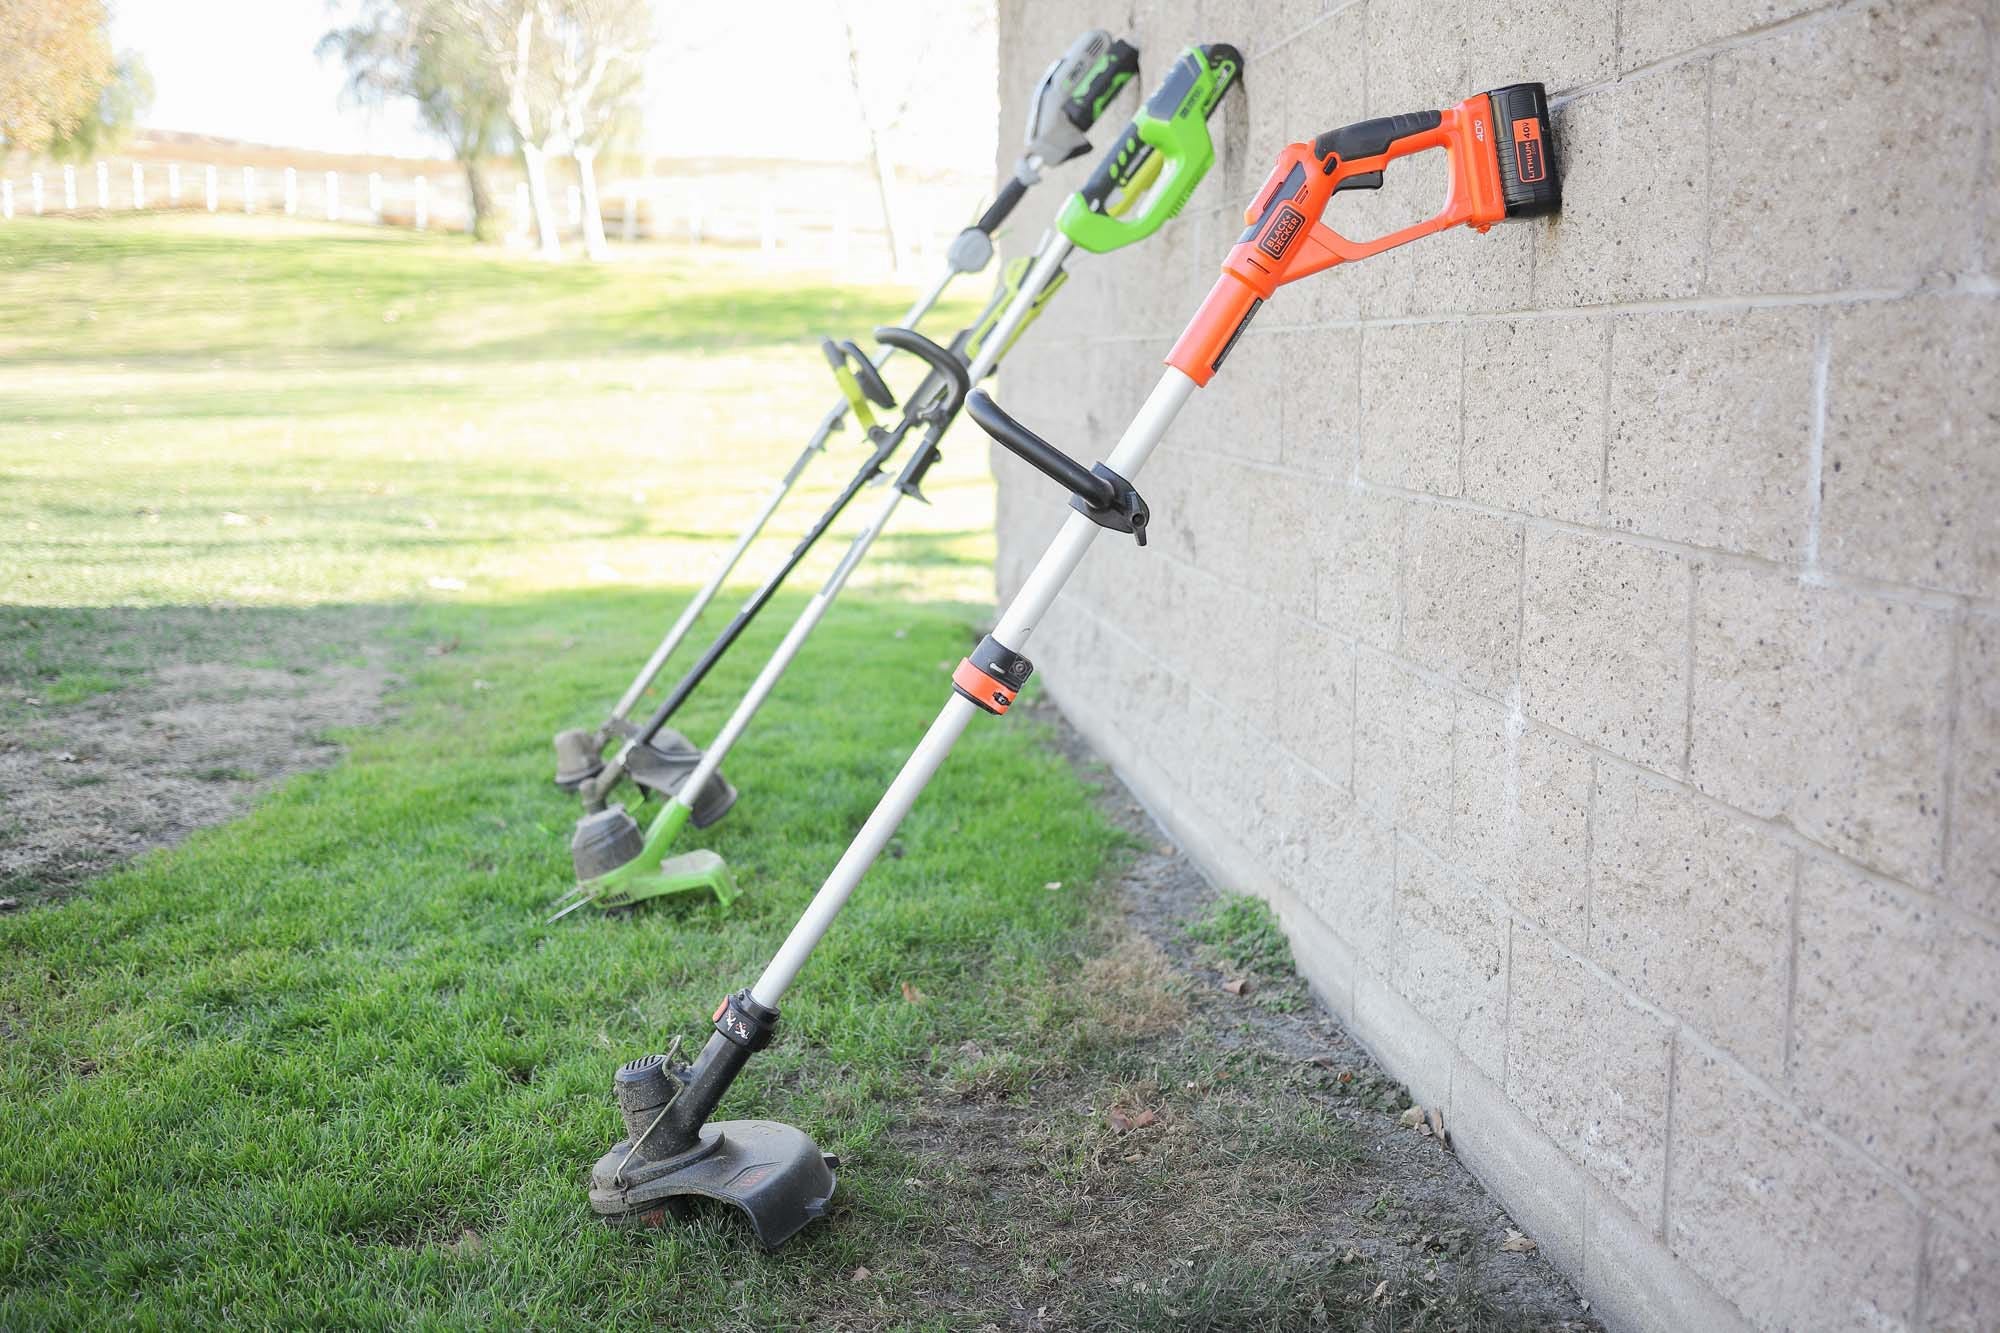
(1072,94)
(1138,185)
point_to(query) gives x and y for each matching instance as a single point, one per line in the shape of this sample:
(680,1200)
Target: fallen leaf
(1381,1293)
(445,583)
(1517,1243)
(1236,985)
(1353,1256)
(1436,1118)
(971,1050)
(1144,1118)
(1347,1076)
(1053,885)
(1411,1118)
(1424,1130)
(9,904)
(232,519)
(468,1243)
(440,649)
(85,1068)
(912,994)
(65,757)
(1118,1120)
(482,684)
(861,1274)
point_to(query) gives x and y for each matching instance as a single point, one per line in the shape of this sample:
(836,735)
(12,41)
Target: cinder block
(1962,1290)
(1410,420)
(1351,883)
(1416,55)
(1973,858)
(1630,1276)
(1828,708)
(1912,469)
(1244,677)
(1604,644)
(1635,183)
(1897,1035)
(1238,414)
(1711,426)
(1557,42)
(1839,148)
(1544,1190)
(1406,1043)
(1257,525)
(1521,815)
(1402,749)
(1319,385)
(1650,30)
(1360,550)
(1802,1233)
(1690,907)
(1589,1067)
(1534,415)
(1451,957)
(1462,595)
(1315,707)
(1464,272)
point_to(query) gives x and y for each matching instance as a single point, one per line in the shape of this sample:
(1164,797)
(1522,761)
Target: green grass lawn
(325,1064)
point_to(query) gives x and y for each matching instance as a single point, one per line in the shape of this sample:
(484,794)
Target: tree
(422,50)
(510,39)
(55,61)
(597,74)
(120,102)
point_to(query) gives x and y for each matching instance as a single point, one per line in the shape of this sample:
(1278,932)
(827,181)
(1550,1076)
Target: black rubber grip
(1525,146)
(1089,101)
(1044,457)
(1371,138)
(1003,203)
(943,362)
(1116,168)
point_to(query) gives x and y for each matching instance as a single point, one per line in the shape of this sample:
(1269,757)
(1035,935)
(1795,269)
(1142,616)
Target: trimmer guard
(664,765)
(579,757)
(773,1172)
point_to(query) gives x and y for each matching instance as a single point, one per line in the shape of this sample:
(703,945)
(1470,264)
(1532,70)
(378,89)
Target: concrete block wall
(1587,635)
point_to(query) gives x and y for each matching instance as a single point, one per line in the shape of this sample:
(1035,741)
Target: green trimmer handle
(1172,124)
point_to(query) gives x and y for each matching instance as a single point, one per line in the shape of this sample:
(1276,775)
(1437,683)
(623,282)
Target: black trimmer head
(773,1172)
(665,764)
(579,757)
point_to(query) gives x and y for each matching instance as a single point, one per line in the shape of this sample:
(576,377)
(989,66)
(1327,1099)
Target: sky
(767,79)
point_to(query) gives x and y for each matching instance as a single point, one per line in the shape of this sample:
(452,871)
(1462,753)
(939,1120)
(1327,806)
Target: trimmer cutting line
(1161,158)
(1072,94)
(1502,162)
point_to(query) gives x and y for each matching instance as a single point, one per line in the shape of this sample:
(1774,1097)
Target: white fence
(799,212)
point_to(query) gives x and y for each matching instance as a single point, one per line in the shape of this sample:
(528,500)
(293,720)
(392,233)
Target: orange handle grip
(1285,240)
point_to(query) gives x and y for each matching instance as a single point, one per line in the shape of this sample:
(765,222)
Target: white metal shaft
(1048,260)
(1016,626)
(795,638)
(1049,256)
(692,611)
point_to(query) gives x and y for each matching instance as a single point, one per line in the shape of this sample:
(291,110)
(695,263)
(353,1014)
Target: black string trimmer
(1072,94)
(1502,166)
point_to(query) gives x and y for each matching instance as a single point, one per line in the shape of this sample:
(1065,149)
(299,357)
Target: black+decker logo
(1278,236)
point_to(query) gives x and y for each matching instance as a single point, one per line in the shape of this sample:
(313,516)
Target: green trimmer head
(617,865)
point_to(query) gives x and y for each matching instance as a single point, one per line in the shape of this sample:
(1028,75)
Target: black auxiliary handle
(1096,492)
(941,395)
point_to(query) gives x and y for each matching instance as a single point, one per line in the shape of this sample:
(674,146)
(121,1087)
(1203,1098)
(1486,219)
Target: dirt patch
(1196,1144)
(186,716)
